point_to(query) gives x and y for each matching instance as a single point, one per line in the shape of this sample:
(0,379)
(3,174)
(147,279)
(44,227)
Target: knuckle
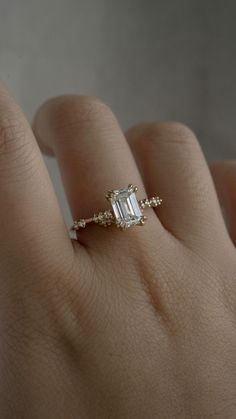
(12,135)
(174,133)
(16,151)
(75,112)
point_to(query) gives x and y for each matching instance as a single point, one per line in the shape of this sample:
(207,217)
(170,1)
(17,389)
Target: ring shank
(106,218)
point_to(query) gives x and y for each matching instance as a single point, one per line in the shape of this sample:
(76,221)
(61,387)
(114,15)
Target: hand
(134,324)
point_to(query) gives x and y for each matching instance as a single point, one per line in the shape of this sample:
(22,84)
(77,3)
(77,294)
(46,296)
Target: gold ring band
(126,210)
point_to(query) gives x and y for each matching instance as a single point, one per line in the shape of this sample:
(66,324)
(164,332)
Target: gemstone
(126,208)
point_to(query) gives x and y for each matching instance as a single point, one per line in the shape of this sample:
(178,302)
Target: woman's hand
(134,324)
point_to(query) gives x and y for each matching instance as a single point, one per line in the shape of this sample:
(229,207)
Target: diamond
(125,206)
(81,223)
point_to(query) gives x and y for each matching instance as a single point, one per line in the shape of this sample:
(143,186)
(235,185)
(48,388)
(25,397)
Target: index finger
(30,217)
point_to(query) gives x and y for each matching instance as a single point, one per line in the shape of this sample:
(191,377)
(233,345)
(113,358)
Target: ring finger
(91,149)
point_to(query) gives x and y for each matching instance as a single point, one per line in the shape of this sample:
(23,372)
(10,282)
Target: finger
(92,151)
(224,176)
(171,161)
(30,218)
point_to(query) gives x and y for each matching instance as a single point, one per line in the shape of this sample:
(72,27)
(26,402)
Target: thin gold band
(106,218)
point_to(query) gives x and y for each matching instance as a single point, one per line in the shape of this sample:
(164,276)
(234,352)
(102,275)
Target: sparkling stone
(81,223)
(126,208)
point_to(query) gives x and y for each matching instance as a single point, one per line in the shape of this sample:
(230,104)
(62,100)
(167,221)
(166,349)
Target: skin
(134,324)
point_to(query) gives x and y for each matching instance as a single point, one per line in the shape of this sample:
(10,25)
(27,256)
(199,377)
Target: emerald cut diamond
(125,206)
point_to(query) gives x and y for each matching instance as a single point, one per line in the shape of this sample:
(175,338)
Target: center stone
(126,208)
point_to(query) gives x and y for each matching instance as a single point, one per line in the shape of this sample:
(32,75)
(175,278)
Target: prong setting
(126,210)
(143,220)
(110,196)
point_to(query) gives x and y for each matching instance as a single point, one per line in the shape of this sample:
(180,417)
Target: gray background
(146,59)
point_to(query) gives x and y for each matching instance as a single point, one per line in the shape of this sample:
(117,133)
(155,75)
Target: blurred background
(148,60)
